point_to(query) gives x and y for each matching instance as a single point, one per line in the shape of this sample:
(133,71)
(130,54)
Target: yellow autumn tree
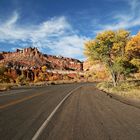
(133,50)
(133,46)
(109,48)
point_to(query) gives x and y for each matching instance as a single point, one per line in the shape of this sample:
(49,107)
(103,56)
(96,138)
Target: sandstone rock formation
(96,66)
(95,70)
(31,57)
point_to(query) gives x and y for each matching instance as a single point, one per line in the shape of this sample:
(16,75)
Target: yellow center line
(19,101)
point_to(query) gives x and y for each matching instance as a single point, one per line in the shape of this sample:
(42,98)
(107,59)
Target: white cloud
(10,22)
(55,34)
(69,45)
(130,18)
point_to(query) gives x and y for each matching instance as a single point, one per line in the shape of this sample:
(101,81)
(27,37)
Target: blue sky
(60,27)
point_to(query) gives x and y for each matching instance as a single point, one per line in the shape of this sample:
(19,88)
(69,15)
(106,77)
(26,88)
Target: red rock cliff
(29,57)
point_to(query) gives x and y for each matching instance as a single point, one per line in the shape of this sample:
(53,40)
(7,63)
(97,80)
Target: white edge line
(43,126)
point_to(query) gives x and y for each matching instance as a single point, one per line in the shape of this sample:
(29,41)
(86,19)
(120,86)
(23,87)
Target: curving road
(88,114)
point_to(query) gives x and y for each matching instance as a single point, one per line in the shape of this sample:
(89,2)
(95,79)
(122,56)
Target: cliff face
(96,70)
(31,57)
(96,66)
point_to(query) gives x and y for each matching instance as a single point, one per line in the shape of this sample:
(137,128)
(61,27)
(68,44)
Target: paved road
(88,114)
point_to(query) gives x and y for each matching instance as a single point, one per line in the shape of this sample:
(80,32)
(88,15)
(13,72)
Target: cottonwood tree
(133,50)
(109,48)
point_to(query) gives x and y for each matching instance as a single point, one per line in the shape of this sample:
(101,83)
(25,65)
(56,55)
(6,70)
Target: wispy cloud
(56,35)
(10,22)
(126,20)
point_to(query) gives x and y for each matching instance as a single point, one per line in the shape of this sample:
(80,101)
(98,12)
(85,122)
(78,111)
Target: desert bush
(36,80)
(21,80)
(5,79)
(2,70)
(42,77)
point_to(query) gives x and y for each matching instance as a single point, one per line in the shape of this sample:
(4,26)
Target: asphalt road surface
(87,114)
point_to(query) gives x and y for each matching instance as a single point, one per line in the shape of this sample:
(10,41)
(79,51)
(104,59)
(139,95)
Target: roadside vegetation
(120,53)
(130,89)
(6,82)
(41,77)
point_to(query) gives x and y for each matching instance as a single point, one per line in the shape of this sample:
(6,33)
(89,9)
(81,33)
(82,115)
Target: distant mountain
(31,57)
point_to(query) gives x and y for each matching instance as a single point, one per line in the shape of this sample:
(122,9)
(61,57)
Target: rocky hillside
(31,57)
(96,66)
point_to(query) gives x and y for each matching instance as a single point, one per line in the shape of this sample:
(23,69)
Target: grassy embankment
(130,89)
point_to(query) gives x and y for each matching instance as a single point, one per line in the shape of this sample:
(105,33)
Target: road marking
(43,126)
(19,101)
(17,92)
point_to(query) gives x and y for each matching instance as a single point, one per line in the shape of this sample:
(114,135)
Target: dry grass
(6,86)
(61,82)
(130,89)
(53,82)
